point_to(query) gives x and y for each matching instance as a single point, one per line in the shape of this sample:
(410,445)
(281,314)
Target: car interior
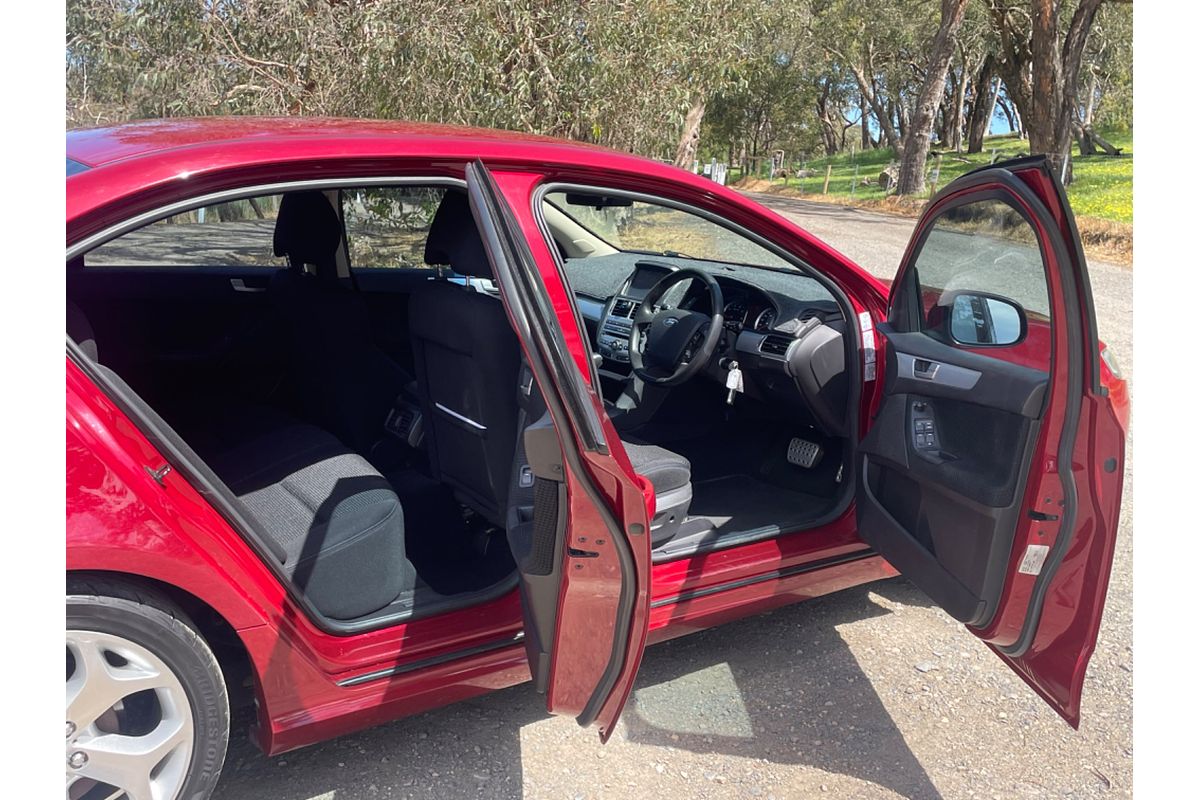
(365,399)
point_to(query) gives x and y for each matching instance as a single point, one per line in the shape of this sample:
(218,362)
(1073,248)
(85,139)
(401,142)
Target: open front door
(582,541)
(991,475)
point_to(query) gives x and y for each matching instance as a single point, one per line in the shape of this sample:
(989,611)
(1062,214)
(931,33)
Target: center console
(617,321)
(615,327)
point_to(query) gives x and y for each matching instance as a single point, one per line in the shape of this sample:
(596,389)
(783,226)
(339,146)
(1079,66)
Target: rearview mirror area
(977,319)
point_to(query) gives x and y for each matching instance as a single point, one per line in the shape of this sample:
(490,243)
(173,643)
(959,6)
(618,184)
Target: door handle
(949,376)
(239,285)
(925,369)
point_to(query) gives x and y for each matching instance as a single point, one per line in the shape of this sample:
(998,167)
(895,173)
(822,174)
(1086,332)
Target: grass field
(1102,188)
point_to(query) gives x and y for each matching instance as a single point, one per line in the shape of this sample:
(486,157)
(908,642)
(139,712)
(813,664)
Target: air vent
(623,308)
(775,345)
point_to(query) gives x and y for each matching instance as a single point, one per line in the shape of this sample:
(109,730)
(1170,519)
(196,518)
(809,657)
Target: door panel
(174,327)
(982,481)
(583,547)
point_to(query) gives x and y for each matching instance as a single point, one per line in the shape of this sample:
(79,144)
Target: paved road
(869,693)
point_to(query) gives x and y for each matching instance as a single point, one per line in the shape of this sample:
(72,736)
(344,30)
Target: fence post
(854,181)
(828,172)
(937,173)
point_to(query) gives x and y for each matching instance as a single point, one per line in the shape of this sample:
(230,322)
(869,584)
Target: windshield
(638,227)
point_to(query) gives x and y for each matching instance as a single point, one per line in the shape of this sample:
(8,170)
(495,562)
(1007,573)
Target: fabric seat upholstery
(337,521)
(333,522)
(665,470)
(340,379)
(467,357)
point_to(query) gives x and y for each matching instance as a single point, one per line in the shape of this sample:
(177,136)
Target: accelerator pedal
(803,453)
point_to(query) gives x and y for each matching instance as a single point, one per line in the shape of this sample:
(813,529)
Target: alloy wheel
(130,731)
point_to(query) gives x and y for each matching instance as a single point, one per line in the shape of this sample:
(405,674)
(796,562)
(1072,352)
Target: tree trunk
(1089,140)
(1056,79)
(954,119)
(1009,116)
(864,76)
(916,144)
(863,117)
(829,135)
(1090,109)
(1047,82)
(987,89)
(689,140)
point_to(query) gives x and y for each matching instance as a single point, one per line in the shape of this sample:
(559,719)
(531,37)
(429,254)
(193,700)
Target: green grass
(1102,187)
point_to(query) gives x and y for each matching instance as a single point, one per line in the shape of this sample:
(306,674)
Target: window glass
(978,264)
(387,226)
(651,228)
(238,233)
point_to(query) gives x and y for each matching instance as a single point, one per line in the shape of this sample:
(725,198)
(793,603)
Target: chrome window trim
(254,190)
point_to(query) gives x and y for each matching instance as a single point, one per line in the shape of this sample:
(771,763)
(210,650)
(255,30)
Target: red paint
(120,520)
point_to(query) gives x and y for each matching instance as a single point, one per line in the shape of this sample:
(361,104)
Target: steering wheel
(669,345)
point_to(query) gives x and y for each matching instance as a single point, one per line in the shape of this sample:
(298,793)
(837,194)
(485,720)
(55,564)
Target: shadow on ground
(782,687)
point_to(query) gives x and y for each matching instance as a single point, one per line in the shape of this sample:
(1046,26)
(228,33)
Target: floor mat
(739,503)
(452,552)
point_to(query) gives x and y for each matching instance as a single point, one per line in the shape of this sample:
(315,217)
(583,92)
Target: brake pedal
(803,453)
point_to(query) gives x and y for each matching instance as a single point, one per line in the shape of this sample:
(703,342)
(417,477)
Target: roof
(99,146)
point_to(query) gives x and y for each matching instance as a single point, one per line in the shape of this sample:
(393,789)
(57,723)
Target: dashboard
(784,329)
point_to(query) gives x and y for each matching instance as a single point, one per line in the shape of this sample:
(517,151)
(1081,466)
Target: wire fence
(870,174)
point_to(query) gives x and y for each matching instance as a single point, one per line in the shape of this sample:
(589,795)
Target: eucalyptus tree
(911,179)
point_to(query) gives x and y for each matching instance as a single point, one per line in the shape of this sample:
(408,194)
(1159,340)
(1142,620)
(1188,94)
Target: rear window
(238,233)
(386,226)
(74,167)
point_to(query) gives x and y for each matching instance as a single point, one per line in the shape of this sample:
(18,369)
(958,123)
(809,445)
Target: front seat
(466,357)
(671,476)
(340,379)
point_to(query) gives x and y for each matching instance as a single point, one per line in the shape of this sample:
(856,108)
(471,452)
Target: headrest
(454,238)
(307,230)
(79,329)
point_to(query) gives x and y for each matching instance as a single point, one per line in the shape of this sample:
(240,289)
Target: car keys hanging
(733,382)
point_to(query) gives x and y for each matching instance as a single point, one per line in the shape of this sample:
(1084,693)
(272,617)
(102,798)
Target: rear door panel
(180,326)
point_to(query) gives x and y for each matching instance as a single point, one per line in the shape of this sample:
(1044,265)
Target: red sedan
(365,418)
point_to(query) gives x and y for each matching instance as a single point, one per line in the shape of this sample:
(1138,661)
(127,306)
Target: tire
(129,637)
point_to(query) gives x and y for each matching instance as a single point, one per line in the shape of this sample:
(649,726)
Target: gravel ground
(869,693)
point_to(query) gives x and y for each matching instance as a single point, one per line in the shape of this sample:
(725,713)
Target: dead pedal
(803,453)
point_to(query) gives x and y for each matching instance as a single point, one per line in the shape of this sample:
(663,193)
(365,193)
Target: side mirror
(977,319)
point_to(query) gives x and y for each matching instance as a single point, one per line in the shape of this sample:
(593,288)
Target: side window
(386,227)
(982,280)
(238,233)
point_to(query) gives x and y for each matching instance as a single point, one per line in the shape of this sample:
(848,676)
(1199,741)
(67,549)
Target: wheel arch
(237,667)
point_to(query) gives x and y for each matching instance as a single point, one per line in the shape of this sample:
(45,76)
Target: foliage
(617,72)
(811,77)
(1103,185)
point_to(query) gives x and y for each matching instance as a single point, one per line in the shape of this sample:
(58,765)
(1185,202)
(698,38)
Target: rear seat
(333,521)
(337,521)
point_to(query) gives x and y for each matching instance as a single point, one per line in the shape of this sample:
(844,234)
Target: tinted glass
(984,251)
(386,227)
(238,233)
(652,228)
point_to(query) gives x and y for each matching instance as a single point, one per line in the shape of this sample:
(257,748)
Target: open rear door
(582,544)
(991,475)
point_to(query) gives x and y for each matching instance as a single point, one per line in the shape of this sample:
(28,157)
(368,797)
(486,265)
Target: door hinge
(1042,516)
(159,474)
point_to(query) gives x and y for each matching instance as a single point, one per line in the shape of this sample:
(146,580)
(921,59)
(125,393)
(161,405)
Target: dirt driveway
(867,693)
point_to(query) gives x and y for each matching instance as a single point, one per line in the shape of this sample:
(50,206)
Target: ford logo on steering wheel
(669,321)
